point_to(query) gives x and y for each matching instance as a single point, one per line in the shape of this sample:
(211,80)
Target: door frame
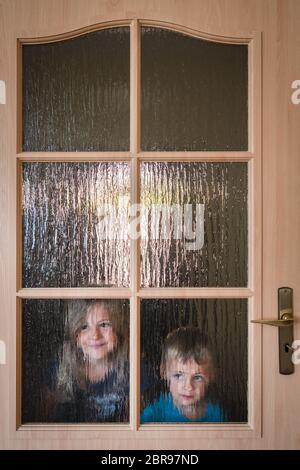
(10,116)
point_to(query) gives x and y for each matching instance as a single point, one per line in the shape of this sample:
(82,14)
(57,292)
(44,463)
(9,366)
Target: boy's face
(187,381)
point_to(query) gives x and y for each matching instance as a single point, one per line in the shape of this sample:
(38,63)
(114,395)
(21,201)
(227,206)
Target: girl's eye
(105,324)
(84,327)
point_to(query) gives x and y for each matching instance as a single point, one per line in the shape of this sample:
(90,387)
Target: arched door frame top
(211,37)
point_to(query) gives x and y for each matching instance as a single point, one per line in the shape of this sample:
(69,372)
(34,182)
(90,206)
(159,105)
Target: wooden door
(269,33)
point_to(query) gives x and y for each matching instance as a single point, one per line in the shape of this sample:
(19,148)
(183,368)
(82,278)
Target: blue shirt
(164,411)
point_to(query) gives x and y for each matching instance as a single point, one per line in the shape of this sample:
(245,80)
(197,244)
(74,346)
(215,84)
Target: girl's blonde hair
(72,365)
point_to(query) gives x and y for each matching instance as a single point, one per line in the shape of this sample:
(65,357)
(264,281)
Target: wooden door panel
(278,223)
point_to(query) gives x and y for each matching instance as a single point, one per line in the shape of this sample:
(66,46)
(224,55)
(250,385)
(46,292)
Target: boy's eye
(177,376)
(198,378)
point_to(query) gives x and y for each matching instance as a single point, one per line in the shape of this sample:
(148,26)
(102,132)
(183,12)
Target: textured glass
(194,93)
(75,358)
(210,334)
(194,224)
(75,218)
(76,93)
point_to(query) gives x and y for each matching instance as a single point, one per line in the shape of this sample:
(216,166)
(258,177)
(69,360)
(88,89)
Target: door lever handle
(285,324)
(286,319)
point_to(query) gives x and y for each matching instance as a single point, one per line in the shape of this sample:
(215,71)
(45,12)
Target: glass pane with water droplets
(195,353)
(194,93)
(75,224)
(76,93)
(75,361)
(194,224)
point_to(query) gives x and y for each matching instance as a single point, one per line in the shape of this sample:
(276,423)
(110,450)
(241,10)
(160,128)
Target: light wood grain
(4,233)
(196,156)
(141,156)
(73,156)
(134,242)
(145,293)
(281,169)
(278,225)
(255,234)
(196,293)
(73,34)
(74,293)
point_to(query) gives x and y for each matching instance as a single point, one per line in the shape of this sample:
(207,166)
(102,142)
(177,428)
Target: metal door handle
(286,319)
(285,324)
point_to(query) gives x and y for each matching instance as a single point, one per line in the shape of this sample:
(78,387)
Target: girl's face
(96,336)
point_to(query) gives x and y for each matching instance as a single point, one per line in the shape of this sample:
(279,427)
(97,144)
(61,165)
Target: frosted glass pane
(76,93)
(194,224)
(194,93)
(196,353)
(75,218)
(75,358)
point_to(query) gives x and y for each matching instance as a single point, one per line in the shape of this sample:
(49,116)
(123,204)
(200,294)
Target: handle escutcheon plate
(285,335)
(285,325)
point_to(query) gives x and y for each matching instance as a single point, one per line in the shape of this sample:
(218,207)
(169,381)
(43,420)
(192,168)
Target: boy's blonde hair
(186,343)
